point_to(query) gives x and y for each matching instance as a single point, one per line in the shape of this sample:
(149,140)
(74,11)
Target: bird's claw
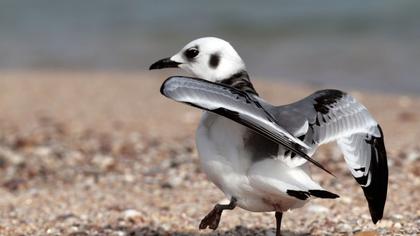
(211,220)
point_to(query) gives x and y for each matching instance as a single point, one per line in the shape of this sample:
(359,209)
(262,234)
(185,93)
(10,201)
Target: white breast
(220,146)
(225,160)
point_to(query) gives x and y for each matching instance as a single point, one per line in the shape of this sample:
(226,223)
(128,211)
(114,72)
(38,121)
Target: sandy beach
(103,153)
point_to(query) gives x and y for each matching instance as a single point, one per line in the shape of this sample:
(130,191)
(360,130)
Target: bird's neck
(240,81)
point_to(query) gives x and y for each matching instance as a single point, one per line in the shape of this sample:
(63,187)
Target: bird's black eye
(190,53)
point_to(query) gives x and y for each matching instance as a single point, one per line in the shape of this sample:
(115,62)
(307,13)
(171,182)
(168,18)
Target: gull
(259,154)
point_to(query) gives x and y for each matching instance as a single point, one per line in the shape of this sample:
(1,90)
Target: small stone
(129,178)
(175,181)
(166,185)
(78,233)
(397,217)
(366,216)
(385,224)
(132,216)
(413,156)
(42,151)
(166,227)
(346,200)
(345,228)
(120,233)
(13,184)
(10,156)
(84,217)
(104,162)
(397,225)
(317,209)
(52,231)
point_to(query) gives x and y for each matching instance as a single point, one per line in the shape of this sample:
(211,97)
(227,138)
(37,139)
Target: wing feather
(236,105)
(336,116)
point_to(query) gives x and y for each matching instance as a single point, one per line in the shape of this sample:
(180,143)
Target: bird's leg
(212,219)
(279,215)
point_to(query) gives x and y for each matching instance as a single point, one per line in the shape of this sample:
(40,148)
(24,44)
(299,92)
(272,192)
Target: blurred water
(359,44)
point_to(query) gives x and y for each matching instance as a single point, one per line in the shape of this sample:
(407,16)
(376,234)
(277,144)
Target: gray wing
(336,116)
(236,105)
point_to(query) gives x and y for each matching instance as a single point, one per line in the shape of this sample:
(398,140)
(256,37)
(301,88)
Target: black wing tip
(323,194)
(325,98)
(376,192)
(318,165)
(331,92)
(329,172)
(376,195)
(376,217)
(301,195)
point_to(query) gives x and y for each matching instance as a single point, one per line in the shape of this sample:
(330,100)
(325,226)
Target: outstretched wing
(236,105)
(335,115)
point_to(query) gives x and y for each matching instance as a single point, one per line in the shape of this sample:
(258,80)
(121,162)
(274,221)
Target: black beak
(164,63)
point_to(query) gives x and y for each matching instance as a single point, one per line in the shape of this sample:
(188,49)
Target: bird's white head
(208,58)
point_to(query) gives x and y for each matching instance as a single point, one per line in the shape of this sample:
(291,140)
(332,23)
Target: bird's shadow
(239,230)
